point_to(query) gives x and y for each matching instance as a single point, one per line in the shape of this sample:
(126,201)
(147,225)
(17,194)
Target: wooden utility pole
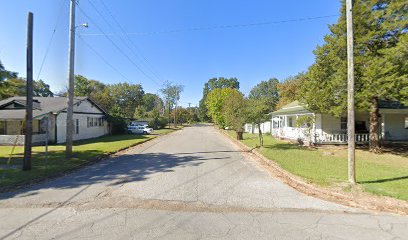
(350,94)
(29,100)
(71,78)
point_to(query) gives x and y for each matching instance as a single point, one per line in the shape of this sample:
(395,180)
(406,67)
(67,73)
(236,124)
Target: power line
(148,64)
(51,39)
(193,29)
(116,46)
(120,37)
(102,58)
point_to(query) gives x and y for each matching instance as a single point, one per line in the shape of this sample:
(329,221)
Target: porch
(12,132)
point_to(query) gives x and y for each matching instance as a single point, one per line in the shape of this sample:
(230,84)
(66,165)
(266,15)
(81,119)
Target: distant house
(331,130)
(49,116)
(266,127)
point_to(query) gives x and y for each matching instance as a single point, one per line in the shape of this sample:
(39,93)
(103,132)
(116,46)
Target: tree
(152,101)
(380,69)
(234,111)
(209,86)
(257,113)
(215,102)
(126,97)
(4,75)
(13,87)
(289,89)
(171,93)
(262,100)
(41,89)
(81,86)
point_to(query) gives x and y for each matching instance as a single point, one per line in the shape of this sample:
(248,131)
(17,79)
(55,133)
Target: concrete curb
(41,179)
(364,201)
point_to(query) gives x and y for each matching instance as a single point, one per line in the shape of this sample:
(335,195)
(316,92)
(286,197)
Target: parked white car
(139,129)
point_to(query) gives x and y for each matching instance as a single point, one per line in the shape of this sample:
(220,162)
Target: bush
(117,124)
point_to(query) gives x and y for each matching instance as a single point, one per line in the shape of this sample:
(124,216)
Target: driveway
(192,184)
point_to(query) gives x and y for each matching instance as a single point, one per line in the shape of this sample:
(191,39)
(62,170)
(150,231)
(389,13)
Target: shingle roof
(293,107)
(297,107)
(45,105)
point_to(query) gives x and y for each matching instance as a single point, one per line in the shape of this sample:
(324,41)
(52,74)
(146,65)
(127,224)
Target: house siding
(394,128)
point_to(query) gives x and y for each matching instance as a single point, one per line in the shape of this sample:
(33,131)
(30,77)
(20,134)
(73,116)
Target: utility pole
(71,78)
(29,100)
(350,94)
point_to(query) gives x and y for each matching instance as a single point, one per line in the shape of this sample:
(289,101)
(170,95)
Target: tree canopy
(209,86)
(381,73)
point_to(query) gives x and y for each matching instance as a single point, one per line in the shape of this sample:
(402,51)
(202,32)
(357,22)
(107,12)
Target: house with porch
(327,129)
(49,120)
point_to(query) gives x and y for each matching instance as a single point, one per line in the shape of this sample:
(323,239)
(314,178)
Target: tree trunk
(374,142)
(260,135)
(240,135)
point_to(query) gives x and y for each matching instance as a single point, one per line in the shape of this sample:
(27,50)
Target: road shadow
(116,170)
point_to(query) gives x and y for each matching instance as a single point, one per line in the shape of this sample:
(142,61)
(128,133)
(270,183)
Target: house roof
(293,107)
(297,107)
(41,106)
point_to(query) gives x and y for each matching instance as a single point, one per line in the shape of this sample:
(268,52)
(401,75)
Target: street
(192,184)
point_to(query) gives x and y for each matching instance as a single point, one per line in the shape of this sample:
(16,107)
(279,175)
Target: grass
(381,174)
(84,151)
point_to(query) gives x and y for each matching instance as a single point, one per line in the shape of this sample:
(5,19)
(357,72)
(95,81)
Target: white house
(49,118)
(328,129)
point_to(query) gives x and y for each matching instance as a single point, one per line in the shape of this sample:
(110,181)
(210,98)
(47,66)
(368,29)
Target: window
(343,123)
(95,122)
(361,127)
(76,126)
(3,125)
(290,121)
(100,121)
(406,123)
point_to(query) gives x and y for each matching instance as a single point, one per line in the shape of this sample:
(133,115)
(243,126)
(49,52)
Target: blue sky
(190,58)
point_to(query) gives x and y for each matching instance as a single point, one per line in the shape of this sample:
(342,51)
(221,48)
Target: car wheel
(144,132)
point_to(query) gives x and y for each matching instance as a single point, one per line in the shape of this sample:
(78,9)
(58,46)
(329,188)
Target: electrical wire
(115,45)
(193,29)
(148,64)
(121,38)
(51,39)
(102,58)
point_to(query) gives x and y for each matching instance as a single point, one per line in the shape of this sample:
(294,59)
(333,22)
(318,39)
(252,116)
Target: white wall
(82,112)
(394,127)
(265,127)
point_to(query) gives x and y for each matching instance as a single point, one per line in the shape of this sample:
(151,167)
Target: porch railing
(341,138)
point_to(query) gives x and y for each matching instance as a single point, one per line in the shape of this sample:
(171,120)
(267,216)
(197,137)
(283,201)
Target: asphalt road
(192,184)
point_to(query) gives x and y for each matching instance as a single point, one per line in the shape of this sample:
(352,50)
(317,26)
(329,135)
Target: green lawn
(84,151)
(381,174)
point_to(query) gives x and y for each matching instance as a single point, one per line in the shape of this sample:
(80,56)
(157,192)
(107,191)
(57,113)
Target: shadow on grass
(109,138)
(115,171)
(397,148)
(286,146)
(385,180)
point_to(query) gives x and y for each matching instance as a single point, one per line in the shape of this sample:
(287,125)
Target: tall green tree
(126,97)
(4,75)
(262,99)
(152,101)
(215,103)
(380,29)
(234,111)
(209,86)
(171,94)
(41,89)
(289,89)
